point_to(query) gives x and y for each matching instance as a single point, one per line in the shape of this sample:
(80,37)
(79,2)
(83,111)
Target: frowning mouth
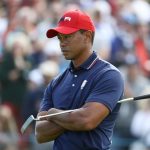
(64,50)
(66,53)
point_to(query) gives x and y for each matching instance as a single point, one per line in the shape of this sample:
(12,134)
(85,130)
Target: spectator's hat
(70,22)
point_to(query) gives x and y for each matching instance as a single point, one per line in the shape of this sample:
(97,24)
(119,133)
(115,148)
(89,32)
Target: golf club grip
(141,97)
(134,98)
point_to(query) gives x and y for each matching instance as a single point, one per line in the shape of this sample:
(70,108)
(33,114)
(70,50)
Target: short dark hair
(93,34)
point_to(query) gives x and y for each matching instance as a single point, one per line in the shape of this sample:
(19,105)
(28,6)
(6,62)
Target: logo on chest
(83,84)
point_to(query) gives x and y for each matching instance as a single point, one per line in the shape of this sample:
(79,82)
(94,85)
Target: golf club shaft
(31,118)
(55,114)
(120,101)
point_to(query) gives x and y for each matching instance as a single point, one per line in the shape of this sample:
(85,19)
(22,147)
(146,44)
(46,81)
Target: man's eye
(64,37)
(67,36)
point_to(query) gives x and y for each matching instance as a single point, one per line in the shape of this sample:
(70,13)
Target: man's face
(72,45)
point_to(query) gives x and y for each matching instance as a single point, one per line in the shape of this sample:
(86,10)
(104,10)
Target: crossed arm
(84,119)
(46,131)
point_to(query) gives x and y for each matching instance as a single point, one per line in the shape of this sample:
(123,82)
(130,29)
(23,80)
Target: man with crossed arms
(89,84)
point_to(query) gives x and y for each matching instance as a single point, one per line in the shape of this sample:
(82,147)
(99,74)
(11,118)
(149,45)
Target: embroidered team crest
(65,19)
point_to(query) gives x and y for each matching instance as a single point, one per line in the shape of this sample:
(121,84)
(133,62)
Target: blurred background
(28,62)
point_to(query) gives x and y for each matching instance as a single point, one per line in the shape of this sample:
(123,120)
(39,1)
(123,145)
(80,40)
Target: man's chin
(67,57)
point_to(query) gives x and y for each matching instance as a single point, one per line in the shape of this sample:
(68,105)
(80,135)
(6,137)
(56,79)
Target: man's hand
(54,110)
(45,130)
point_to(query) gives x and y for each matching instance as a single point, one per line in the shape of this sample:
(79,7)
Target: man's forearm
(46,131)
(84,119)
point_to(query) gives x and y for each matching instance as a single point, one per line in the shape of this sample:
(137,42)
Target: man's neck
(80,60)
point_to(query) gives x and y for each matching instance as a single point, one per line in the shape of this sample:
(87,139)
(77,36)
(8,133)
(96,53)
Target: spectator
(13,70)
(133,87)
(140,125)
(8,129)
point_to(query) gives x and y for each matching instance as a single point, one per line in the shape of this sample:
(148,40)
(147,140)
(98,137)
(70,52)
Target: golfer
(89,84)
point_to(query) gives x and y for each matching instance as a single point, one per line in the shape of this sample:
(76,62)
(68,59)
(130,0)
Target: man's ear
(88,36)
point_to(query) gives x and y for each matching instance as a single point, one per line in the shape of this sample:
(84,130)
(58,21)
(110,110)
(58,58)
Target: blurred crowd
(28,62)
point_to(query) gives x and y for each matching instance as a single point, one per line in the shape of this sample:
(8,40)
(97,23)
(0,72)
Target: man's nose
(63,43)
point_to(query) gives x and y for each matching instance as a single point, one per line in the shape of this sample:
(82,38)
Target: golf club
(31,118)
